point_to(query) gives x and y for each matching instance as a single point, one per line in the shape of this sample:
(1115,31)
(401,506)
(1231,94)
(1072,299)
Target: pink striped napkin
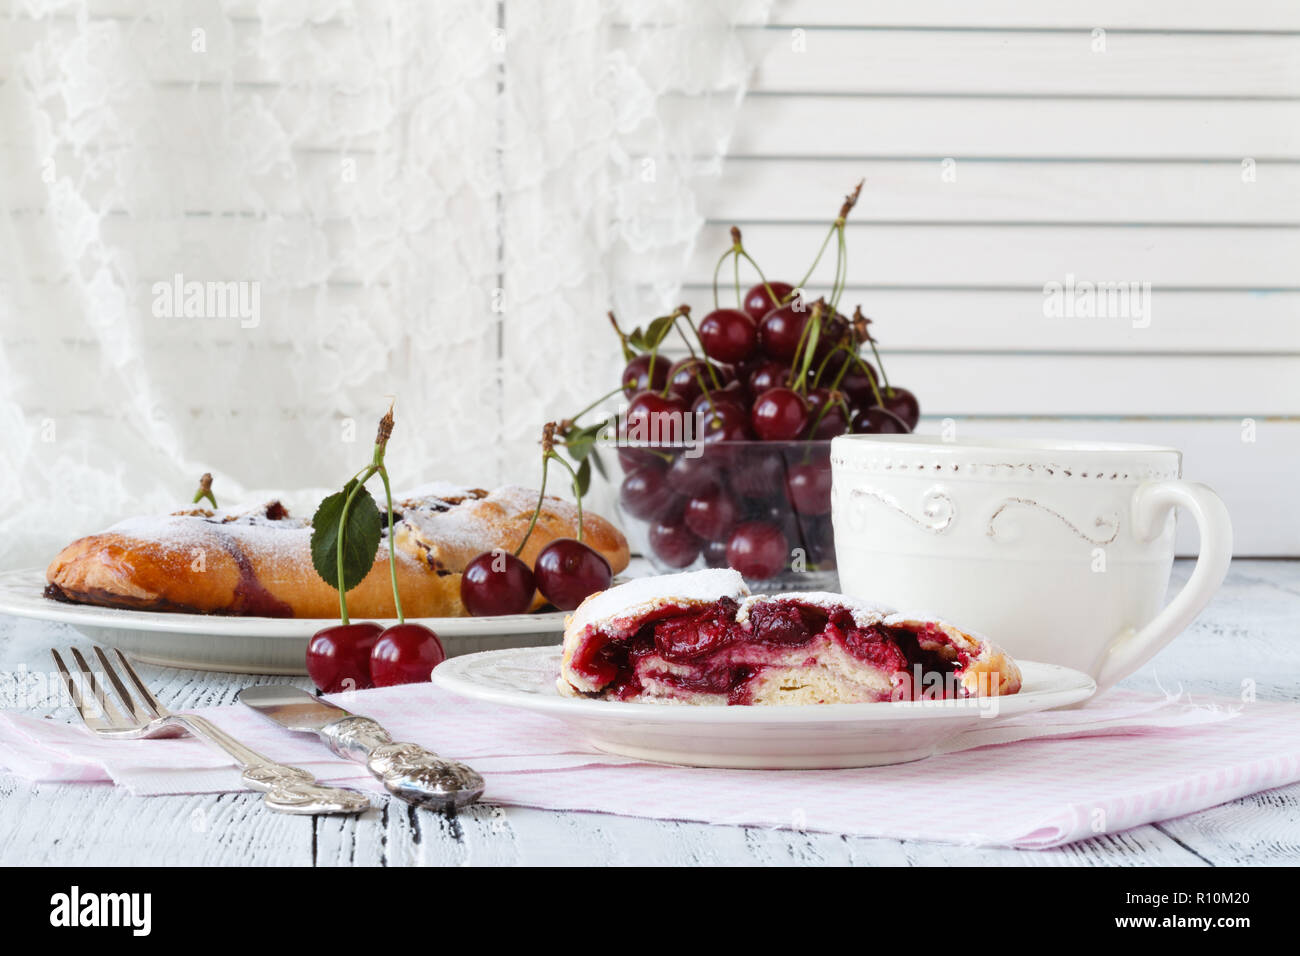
(1033,781)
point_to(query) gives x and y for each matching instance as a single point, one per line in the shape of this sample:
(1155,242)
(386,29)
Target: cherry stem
(205,490)
(716,270)
(366,473)
(608,395)
(541,497)
(821,369)
(762,278)
(803,352)
(837,398)
(820,252)
(360,478)
(841,267)
(392,547)
(628,354)
(837,225)
(684,313)
(875,391)
(577,492)
(883,374)
(858,317)
(738,249)
(685,341)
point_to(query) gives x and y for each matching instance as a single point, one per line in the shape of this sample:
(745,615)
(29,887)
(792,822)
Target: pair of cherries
(565,571)
(352,655)
(363,654)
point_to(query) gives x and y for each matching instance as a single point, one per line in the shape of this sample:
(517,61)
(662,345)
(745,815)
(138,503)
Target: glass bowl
(762,507)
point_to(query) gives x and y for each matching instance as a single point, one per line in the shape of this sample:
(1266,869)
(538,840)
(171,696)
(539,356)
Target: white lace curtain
(433,201)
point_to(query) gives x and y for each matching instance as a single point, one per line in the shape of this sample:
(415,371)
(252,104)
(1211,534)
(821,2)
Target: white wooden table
(1249,633)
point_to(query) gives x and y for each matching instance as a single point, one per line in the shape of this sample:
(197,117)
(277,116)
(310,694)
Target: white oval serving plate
(245,645)
(819,736)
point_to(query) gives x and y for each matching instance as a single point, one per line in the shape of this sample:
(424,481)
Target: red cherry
(731,394)
(770,374)
(631,458)
(809,487)
(834,330)
(779,414)
(338,657)
(781,329)
(405,654)
(877,421)
(757,549)
(638,378)
(712,515)
(828,423)
(855,383)
(646,494)
(755,472)
(496,582)
(758,302)
(725,423)
(715,554)
(692,476)
(674,545)
(657,419)
(568,572)
(728,335)
(903,404)
(686,374)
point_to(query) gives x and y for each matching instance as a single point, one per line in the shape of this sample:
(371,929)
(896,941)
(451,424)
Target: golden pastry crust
(259,562)
(448,539)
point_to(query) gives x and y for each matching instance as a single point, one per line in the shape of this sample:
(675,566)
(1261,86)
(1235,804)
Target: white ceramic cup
(1059,551)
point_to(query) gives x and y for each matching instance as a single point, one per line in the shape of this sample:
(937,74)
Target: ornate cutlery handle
(408,771)
(287,789)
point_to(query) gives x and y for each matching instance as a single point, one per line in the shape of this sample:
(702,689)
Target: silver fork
(287,789)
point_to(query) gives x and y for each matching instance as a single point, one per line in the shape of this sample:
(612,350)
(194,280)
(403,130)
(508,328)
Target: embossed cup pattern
(1043,547)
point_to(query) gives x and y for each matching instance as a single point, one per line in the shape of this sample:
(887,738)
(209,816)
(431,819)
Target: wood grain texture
(1247,633)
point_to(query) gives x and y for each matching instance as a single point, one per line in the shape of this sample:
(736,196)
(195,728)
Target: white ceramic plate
(245,645)
(785,738)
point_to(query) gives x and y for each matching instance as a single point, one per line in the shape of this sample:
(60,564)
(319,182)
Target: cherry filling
(686,638)
(696,640)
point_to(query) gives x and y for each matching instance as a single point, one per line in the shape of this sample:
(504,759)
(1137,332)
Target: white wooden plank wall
(1115,157)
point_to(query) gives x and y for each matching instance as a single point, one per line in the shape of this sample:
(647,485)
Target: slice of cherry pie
(702,638)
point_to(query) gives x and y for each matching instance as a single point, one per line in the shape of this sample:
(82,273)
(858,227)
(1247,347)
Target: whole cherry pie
(702,638)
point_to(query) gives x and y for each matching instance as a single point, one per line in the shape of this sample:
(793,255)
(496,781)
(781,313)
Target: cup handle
(1152,502)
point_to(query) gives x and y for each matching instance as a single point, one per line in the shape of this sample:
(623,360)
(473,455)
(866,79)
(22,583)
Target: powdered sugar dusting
(458,529)
(285,538)
(865,613)
(442,491)
(635,597)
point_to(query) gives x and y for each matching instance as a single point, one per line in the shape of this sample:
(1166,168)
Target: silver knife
(408,771)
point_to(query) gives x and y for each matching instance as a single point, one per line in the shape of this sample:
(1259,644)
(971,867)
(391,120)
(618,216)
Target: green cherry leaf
(361,539)
(584,476)
(579,448)
(580,441)
(658,330)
